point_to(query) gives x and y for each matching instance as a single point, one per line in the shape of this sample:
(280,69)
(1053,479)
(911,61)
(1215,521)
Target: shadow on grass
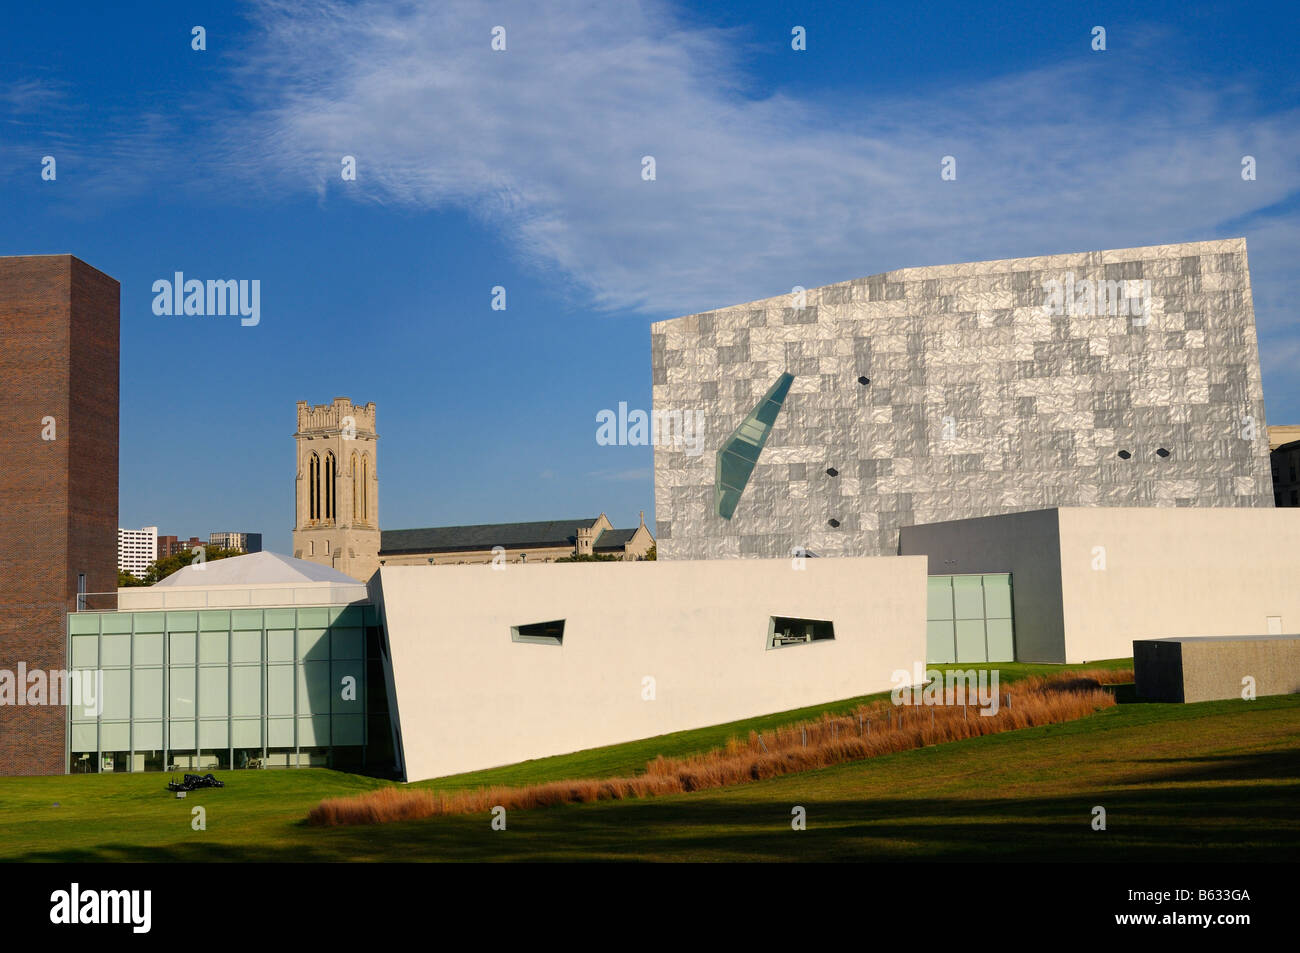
(1175,818)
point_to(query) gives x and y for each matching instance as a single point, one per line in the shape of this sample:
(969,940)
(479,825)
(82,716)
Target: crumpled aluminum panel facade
(981,400)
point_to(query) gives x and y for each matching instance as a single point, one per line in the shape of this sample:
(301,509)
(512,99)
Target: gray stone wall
(981,400)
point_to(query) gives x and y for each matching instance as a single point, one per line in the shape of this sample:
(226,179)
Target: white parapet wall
(1175,572)
(1088,581)
(648,648)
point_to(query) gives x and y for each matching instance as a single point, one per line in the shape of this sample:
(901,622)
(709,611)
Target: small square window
(784,630)
(541,633)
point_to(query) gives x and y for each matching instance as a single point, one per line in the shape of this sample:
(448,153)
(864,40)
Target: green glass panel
(116,649)
(247,732)
(182,682)
(281,618)
(247,647)
(150,622)
(739,452)
(354,670)
(997,596)
(314,644)
(968,597)
(314,688)
(1001,640)
(147,698)
(180,648)
(115,735)
(313,731)
(85,737)
(214,647)
(970,641)
(148,648)
(116,703)
(372,615)
(85,651)
(214,620)
(347,643)
(279,645)
(348,730)
(83,623)
(938,597)
(180,736)
(279,690)
(246,618)
(314,617)
(182,621)
(214,688)
(279,733)
(940,641)
(214,734)
(148,735)
(246,689)
(115,622)
(350,617)
(80,682)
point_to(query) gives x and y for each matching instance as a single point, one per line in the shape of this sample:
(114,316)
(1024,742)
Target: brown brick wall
(58,498)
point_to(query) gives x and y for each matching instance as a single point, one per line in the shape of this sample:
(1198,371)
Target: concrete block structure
(493,667)
(1088,581)
(1209,669)
(1120,378)
(58,485)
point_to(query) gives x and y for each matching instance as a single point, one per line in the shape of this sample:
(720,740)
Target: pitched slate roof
(442,539)
(614,539)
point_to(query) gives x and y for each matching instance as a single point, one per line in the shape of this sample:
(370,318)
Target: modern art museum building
(1037,459)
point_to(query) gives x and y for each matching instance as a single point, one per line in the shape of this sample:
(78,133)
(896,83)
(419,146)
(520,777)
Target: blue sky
(522,169)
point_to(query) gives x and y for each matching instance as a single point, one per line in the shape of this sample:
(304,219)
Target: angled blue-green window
(740,451)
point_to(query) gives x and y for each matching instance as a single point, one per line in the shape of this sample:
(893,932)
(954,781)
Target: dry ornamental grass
(867,731)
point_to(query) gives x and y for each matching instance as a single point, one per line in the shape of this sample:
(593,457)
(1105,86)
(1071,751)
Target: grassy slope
(1219,780)
(631,758)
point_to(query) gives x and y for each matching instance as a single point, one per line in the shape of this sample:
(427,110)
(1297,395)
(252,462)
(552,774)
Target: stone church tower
(337,490)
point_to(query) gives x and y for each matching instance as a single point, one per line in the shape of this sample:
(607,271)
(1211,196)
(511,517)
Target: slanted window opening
(539,633)
(783,631)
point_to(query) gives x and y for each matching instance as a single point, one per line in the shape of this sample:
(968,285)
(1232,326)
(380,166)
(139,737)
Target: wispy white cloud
(753,195)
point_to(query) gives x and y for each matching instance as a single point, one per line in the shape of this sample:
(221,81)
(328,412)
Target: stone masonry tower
(337,490)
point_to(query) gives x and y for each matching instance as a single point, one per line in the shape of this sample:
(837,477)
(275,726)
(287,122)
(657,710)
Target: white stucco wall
(468,697)
(1175,572)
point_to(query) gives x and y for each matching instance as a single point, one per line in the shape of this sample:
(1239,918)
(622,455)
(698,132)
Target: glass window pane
(247,689)
(279,690)
(182,691)
(147,699)
(214,684)
(181,648)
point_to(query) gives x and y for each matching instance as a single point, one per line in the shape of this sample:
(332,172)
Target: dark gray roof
(439,539)
(614,539)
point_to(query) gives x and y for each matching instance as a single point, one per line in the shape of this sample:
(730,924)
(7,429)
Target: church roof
(252,570)
(614,539)
(435,539)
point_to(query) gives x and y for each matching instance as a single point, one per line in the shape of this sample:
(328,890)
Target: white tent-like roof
(254,569)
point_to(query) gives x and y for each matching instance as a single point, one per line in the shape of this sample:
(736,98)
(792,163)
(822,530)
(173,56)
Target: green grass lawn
(1213,781)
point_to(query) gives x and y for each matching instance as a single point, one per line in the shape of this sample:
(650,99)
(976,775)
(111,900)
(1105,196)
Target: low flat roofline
(1223,638)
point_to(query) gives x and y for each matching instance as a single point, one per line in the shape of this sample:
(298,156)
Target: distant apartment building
(136,549)
(244,542)
(172,545)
